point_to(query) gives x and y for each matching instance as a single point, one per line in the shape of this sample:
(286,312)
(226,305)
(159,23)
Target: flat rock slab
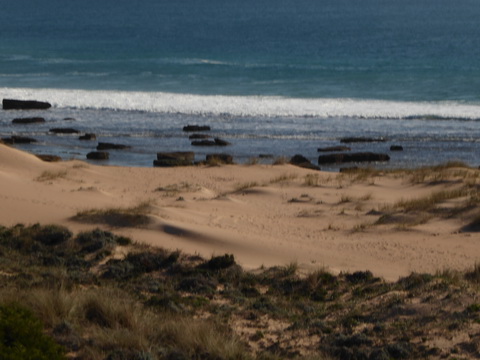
(171,159)
(64,131)
(214,142)
(98,155)
(18,140)
(28,120)
(334,149)
(88,137)
(177,155)
(110,146)
(190,128)
(12,104)
(49,158)
(353,157)
(199,136)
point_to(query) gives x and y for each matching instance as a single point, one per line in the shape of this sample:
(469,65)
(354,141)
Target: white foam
(266,106)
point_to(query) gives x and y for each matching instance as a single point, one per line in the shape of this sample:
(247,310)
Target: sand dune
(265,215)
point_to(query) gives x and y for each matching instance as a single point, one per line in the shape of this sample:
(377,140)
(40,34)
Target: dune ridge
(264,214)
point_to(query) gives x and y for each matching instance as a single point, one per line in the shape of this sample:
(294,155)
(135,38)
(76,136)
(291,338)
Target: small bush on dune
(118,217)
(53,235)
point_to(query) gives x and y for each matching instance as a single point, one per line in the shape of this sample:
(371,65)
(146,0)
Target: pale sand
(275,220)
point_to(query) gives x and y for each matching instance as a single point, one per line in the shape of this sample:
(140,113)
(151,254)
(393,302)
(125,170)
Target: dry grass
(280,160)
(155,304)
(117,217)
(429,202)
(175,189)
(51,175)
(281,179)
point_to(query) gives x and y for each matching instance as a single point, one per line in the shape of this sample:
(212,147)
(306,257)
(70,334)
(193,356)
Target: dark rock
(220,142)
(334,149)
(168,159)
(214,142)
(361,140)
(15,139)
(396,148)
(110,146)
(49,158)
(219,159)
(11,104)
(98,155)
(199,136)
(191,128)
(88,136)
(69,119)
(354,157)
(29,120)
(265,156)
(302,161)
(64,131)
(178,155)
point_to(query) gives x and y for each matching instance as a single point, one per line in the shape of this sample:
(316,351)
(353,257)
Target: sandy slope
(265,215)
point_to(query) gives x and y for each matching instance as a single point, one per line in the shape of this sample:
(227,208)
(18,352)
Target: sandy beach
(263,214)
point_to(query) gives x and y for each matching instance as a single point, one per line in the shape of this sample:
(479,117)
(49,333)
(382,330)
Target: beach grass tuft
(135,216)
(49,175)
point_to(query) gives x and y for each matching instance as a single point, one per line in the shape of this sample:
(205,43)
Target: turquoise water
(276,77)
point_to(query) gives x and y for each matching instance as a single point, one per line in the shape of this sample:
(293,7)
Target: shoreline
(263,214)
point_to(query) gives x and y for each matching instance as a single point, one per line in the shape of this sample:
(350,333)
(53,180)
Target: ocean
(277,77)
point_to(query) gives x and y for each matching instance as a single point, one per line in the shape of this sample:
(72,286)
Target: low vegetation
(117,217)
(51,175)
(96,295)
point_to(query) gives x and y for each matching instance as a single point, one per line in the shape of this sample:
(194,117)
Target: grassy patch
(429,202)
(51,175)
(245,186)
(174,189)
(118,217)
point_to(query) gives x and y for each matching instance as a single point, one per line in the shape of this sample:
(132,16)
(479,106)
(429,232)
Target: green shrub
(21,336)
(53,235)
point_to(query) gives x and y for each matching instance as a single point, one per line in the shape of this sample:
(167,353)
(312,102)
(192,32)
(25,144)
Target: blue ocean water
(271,76)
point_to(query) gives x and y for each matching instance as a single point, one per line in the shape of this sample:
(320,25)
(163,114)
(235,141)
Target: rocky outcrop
(214,142)
(302,161)
(64,131)
(334,149)
(191,128)
(171,159)
(353,157)
(110,146)
(98,155)
(49,158)
(348,140)
(29,120)
(12,104)
(15,139)
(219,159)
(88,136)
